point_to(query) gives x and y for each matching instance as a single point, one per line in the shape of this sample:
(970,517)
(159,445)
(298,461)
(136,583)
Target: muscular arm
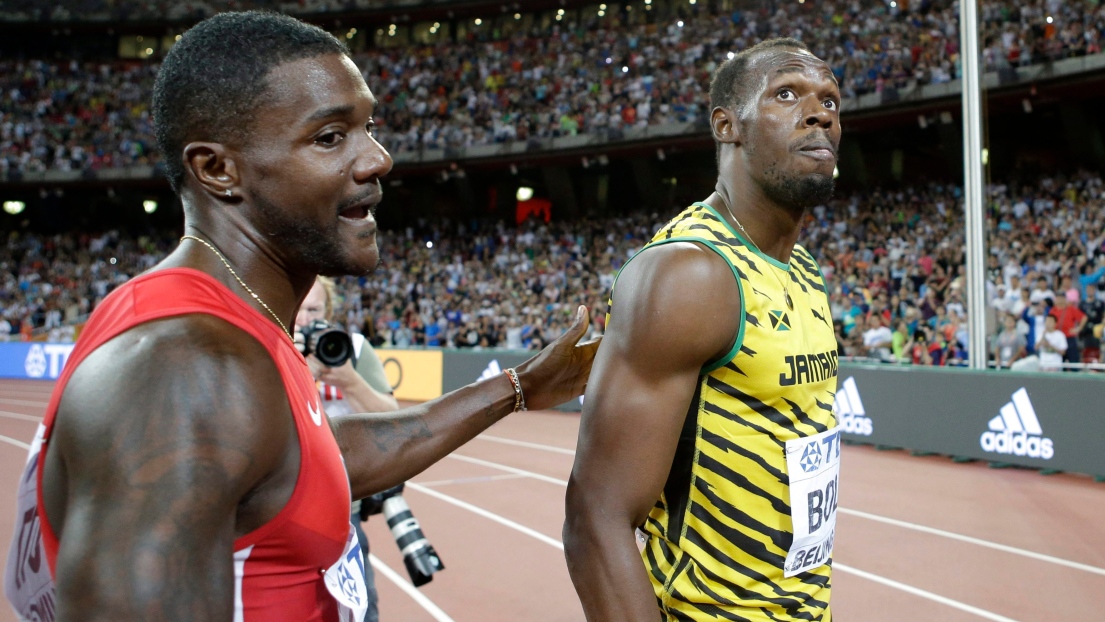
(676,309)
(160,434)
(385,449)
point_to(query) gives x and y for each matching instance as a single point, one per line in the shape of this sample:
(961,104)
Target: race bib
(813,463)
(27,581)
(345,581)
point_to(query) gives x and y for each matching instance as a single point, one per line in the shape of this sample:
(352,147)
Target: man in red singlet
(185,469)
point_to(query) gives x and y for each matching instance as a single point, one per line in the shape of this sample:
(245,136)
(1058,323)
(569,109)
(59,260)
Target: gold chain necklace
(786,287)
(240,281)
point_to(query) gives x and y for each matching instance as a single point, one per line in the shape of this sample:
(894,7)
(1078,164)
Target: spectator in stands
(955,354)
(934,346)
(1008,345)
(1094,309)
(899,341)
(1023,302)
(877,339)
(1042,292)
(1052,346)
(1090,274)
(1034,317)
(919,348)
(1070,320)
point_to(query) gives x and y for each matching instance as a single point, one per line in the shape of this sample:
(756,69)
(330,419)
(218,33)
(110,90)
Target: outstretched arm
(385,449)
(160,434)
(676,309)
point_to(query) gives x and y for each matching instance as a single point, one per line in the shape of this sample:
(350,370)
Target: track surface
(918,539)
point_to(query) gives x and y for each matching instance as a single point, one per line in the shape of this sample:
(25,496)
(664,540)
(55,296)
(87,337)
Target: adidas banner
(1052,421)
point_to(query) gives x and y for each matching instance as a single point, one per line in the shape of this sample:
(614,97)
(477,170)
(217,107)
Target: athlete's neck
(258,265)
(771,228)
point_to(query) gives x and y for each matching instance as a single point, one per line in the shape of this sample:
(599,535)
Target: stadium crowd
(162,10)
(51,283)
(597,76)
(892,260)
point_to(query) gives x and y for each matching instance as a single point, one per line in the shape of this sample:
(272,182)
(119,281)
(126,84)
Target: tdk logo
(1017,431)
(811,457)
(848,408)
(46,360)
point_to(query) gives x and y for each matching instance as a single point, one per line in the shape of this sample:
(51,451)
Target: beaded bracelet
(519,399)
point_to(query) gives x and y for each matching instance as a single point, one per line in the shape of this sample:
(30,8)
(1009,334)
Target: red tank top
(278,567)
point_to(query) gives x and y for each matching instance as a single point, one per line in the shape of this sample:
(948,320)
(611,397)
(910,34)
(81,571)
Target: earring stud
(227,192)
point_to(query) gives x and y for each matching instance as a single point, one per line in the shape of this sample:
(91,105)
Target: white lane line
(410,589)
(21,393)
(510,441)
(6,400)
(982,613)
(508,469)
(986,543)
(866,575)
(17,443)
(21,417)
(486,514)
(889,521)
(470,480)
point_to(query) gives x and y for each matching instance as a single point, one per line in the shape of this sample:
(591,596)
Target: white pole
(972,184)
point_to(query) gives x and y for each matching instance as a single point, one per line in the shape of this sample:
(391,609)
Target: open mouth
(356,212)
(361,214)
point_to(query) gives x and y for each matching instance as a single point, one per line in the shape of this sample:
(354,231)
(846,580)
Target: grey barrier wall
(463,367)
(1041,420)
(1047,421)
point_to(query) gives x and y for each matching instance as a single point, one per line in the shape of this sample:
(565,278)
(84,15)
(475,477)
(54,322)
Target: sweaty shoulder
(191,383)
(682,297)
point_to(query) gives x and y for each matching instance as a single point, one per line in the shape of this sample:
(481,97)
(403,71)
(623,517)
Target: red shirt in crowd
(1067,319)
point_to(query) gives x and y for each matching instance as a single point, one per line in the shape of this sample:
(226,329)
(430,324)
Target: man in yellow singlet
(708,424)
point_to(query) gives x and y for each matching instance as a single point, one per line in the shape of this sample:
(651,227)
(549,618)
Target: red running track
(918,539)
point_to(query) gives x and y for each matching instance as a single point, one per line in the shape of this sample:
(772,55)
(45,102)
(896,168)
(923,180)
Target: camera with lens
(331,346)
(419,556)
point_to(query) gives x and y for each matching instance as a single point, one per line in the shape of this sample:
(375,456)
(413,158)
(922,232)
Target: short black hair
(733,82)
(213,79)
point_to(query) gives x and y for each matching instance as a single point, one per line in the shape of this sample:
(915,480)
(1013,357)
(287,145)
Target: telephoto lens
(419,556)
(332,346)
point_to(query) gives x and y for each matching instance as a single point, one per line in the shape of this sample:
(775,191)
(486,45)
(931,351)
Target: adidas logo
(492,370)
(848,408)
(1017,431)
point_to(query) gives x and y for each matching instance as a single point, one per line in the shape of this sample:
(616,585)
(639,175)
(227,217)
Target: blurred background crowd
(594,75)
(892,260)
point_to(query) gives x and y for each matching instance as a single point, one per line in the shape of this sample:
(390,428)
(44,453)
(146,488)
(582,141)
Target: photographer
(358,385)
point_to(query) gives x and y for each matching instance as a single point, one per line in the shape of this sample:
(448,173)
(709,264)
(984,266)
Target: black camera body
(331,346)
(419,555)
